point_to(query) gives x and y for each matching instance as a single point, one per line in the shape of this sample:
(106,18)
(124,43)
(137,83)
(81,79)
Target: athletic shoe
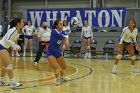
(17,55)
(114,70)
(2,83)
(35,63)
(134,70)
(64,79)
(57,81)
(14,85)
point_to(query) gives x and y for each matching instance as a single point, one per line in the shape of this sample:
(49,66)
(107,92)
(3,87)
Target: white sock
(115,66)
(13,80)
(132,66)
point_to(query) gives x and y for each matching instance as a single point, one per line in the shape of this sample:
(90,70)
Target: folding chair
(76,47)
(109,48)
(93,48)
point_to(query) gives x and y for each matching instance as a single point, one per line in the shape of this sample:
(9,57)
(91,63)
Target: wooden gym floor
(87,76)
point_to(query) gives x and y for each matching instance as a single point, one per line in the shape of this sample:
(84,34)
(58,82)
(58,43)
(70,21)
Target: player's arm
(58,34)
(24,30)
(124,33)
(135,41)
(11,43)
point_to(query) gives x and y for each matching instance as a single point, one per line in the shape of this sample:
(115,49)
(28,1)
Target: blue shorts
(28,37)
(87,37)
(56,54)
(1,47)
(126,43)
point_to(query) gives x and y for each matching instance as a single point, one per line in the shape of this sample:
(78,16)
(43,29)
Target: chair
(93,48)
(76,47)
(109,48)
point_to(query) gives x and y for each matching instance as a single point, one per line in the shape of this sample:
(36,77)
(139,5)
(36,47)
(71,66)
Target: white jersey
(128,36)
(68,31)
(28,30)
(87,32)
(9,38)
(44,34)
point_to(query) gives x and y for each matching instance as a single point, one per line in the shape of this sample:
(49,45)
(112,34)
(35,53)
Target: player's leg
(56,68)
(62,65)
(118,57)
(8,67)
(130,50)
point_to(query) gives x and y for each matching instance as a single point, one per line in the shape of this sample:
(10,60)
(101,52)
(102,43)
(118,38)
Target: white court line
(74,72)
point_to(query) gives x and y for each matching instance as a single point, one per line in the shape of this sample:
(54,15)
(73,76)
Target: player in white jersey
(128,37)
(43,36)
(28,32)
(88,36)
(66,28)
(6,42)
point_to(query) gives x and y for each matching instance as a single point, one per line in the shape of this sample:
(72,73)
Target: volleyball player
(6,42)
(88,36)
(128,36)
(54,55)
(28,31)
(66,32)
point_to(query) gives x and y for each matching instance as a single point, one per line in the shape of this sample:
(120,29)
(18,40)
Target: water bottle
(106,56)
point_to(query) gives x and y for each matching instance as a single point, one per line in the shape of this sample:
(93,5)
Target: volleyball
(74,21)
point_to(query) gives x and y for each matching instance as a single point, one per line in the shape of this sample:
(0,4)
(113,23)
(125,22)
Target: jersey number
(59,42)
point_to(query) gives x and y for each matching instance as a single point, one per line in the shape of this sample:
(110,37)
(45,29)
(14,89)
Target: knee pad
(9,67)
(119,56)
(64,46)
(133,57)
(56,71)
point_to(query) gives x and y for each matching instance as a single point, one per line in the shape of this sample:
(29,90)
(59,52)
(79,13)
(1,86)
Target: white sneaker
(31,54)
(2,83)
(114,70)
(14,85)
(12,55)
(35,63)
(134,70)
(17,55)
(57,81)
(23,54)
(64,79)
(89,55)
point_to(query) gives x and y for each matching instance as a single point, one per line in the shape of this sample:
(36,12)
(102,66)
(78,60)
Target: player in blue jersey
(55,58)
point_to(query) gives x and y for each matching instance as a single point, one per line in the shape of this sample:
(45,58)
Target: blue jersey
(55,40)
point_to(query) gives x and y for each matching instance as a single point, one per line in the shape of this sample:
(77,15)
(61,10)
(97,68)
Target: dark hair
(134,22)
(55,23)
(14,22)
(65,21)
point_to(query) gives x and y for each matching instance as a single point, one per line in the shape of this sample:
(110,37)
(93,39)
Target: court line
(89,72)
